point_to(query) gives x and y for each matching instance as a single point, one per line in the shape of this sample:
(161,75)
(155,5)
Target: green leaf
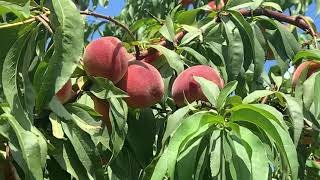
(104,88)
(272,113)
(256,95)
(209,89)
(317,96)
(174,122)
(234,54)
(16,64)
(292,47)
(20,8)
(259,59)
(28,146)
(8,37)
(119,111)
(247,36)
(167,30)
(190,126)
(42,141)
(240,160)
(68,46)
(85,149)
(188,17)
(308,90)
(256,152)
(227,148)
(296,114)
(281,137)
(201,59)
(272,5)
(307,54)
(187,158)
(84,121)
(142,134)
(215,158)
(82,117)
(191,35)
(67,158)
(225,92)
(57,130)
(172,57)
(80,140)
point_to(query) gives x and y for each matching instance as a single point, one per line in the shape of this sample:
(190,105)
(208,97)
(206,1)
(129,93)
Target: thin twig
(18,23)
(45,23)
(153,16)
(111,19)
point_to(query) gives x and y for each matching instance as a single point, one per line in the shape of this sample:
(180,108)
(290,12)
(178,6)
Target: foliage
(257,127)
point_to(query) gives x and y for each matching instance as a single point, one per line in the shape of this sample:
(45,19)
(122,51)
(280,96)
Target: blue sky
(115,6)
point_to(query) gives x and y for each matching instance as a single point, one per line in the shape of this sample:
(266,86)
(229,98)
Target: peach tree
(169,89)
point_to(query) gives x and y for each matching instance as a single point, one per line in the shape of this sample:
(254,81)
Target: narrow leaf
(68,46)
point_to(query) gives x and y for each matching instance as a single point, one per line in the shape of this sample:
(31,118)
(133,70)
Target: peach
(213,6)
(143,84)
(185,85)
(65,93)
(312,67)
(102,107)
(106,57)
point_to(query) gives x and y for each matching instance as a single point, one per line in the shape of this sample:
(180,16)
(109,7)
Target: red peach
(65,93)
(102,107)
(186,86)
(312,67)
(143,84)
(213,6)
(106,57)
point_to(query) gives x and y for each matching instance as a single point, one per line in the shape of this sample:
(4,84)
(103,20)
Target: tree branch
(109,18)
(294,20)
(297,21)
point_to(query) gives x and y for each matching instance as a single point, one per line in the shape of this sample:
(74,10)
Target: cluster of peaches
(106,57)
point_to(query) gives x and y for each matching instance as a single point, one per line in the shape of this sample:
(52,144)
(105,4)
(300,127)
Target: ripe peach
(213,6)
(143,84)
(151,58)
(106,57)
(186,2)
(102,107)
(186,86)
(312,67)
(65,93)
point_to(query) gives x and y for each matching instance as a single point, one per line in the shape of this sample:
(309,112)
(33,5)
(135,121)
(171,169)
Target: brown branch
(294,20)
(297,21)
(111,19)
